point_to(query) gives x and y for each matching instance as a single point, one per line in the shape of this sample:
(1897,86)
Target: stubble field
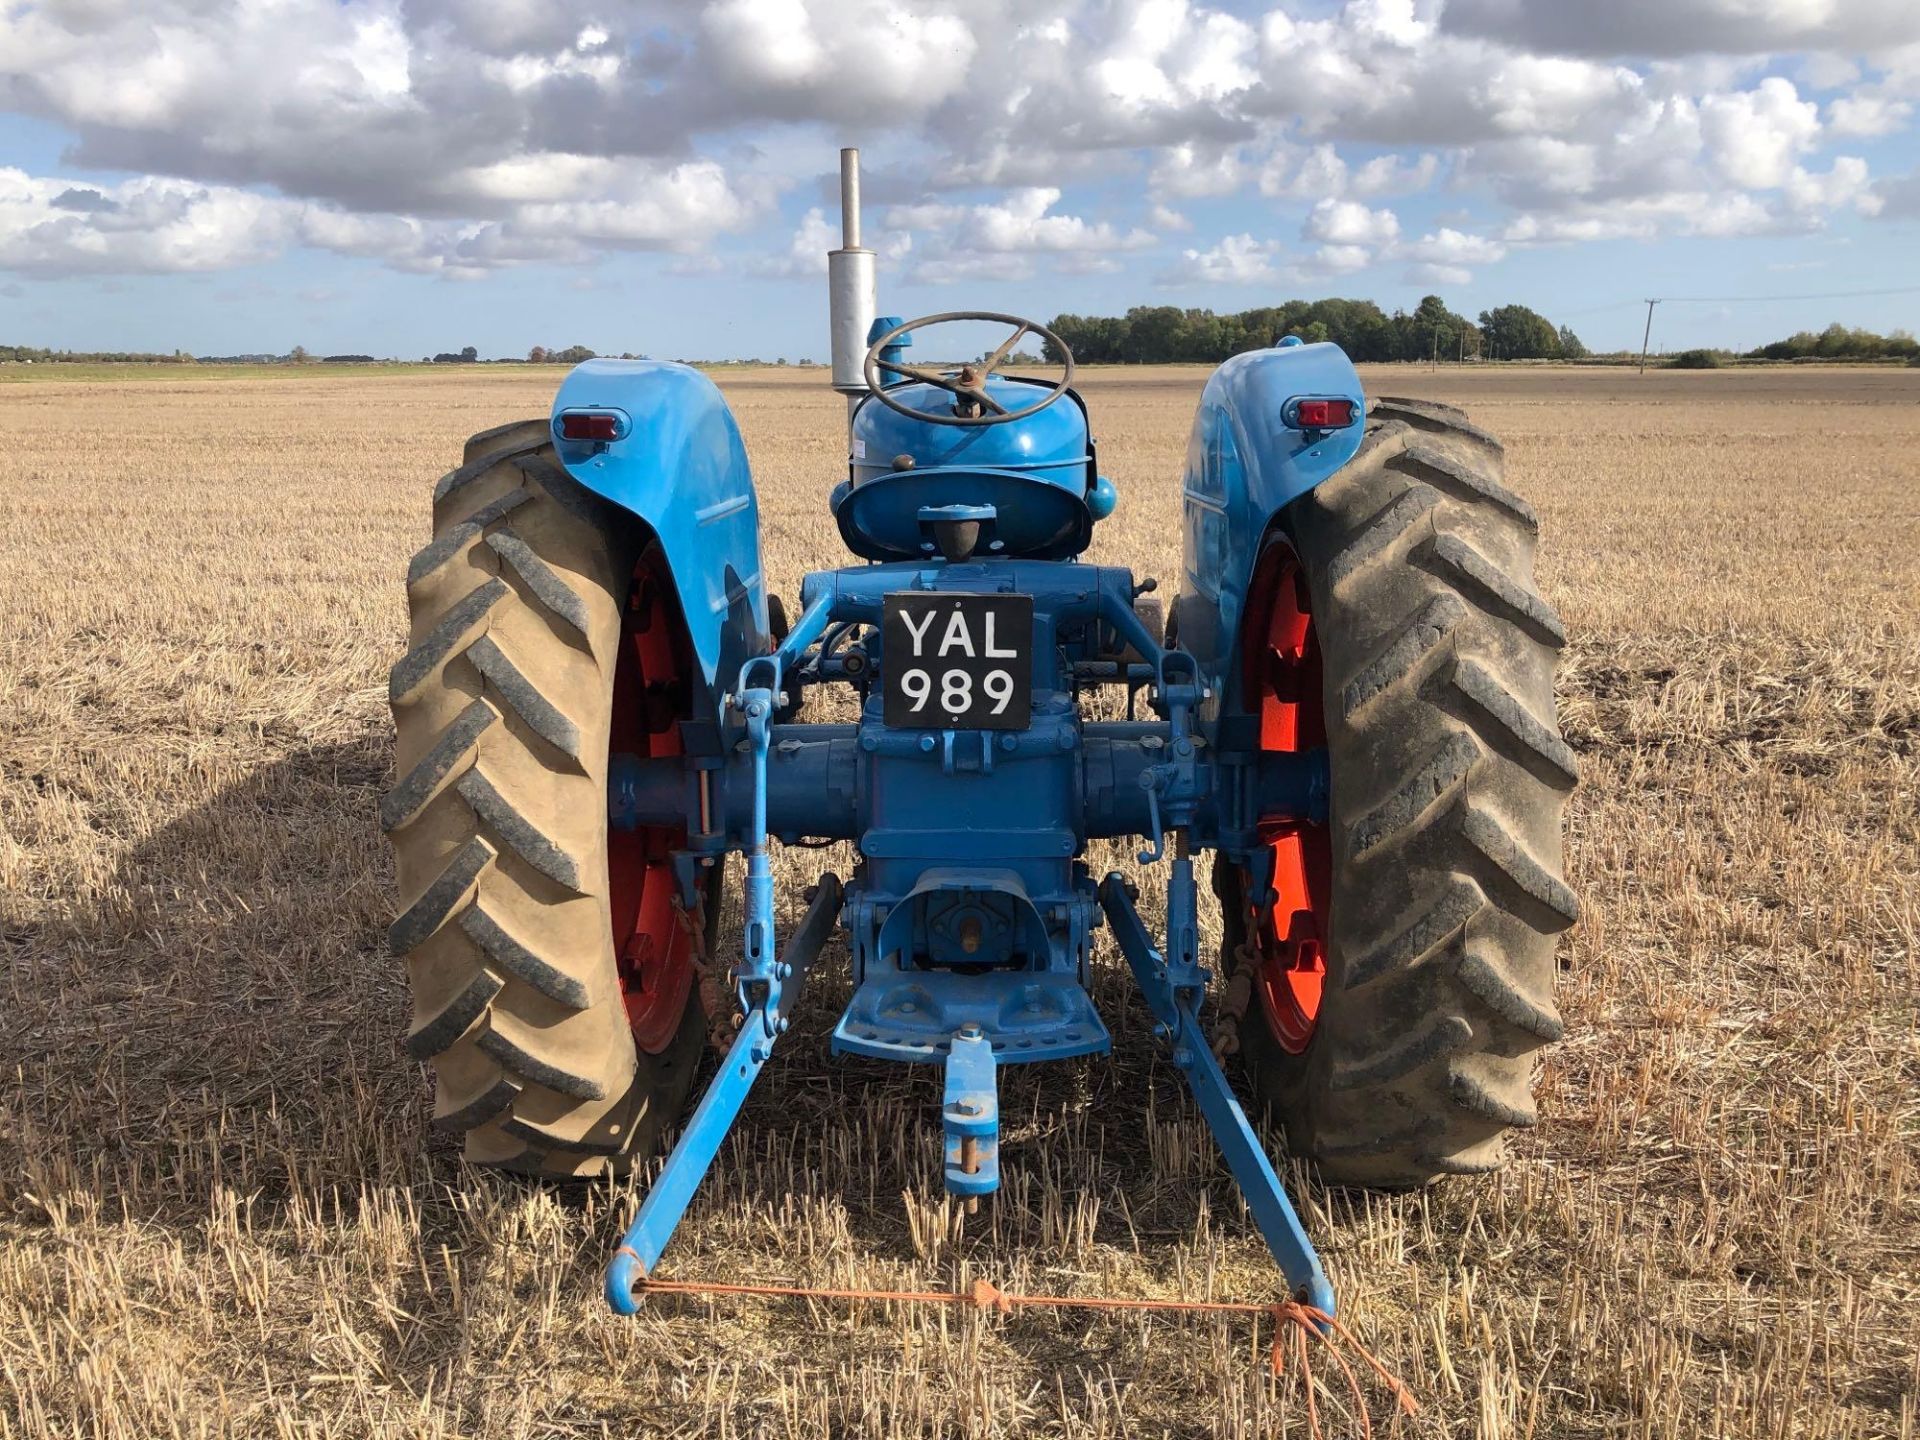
(222,1212)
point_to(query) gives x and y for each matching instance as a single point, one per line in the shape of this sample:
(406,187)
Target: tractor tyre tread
(1449,782)
(502,706)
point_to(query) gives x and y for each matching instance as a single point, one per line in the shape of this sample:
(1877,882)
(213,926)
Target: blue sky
(406,176)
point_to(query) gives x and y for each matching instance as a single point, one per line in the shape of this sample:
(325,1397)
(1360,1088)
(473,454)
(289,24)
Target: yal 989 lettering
(958,662)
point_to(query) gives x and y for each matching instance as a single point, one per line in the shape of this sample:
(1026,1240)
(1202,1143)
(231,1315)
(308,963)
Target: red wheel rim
(653,948)
(1283,682)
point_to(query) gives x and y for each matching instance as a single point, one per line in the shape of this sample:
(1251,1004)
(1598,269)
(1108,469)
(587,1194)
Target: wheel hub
(1290,931)
(651,936)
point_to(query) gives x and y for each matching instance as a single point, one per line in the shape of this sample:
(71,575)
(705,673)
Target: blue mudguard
(1247,458)
(676,460)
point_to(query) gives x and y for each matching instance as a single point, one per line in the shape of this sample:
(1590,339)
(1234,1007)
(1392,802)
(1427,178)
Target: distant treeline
(1837,342)
(1166,334)
(33,354)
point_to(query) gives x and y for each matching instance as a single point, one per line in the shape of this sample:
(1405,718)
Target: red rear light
(1323,414)
(589,425)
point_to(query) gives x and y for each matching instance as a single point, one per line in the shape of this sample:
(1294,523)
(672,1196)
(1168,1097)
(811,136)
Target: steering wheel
(969,381)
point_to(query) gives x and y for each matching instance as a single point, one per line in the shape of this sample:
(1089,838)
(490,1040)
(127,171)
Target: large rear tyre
(1396,983)
(551,973)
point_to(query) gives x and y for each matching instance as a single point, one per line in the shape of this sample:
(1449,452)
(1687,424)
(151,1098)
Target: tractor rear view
(1350,705)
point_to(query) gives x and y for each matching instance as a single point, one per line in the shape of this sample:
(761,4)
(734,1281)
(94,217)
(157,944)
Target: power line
(1646,338)
(1595,309)
(1754,299)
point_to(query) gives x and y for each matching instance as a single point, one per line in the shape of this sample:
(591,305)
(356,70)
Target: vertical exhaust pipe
(851,297)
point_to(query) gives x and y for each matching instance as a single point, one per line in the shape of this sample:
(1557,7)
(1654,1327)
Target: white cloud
(155,225)
(1867,115)
(1348,222)
(1000,242)
(838,59)
(1395,175)
(950,269)
(1188,171)
(1846,183)
(1754,136)
(814,236)
(1447,246)
(53,227)
(1534,94)
(1341,259)
(1172,53)
(1022,224)
(1319,173)
(1723,216)
(470,134)
(1236,260)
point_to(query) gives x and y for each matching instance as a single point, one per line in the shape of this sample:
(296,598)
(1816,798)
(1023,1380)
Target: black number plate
(958,662)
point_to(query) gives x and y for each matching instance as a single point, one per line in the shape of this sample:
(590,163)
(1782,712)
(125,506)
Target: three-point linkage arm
(1173,986)
(667,1201)
(1174,982)
(768,989)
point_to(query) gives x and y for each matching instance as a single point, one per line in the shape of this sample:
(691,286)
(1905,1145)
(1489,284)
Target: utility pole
(1648,336)
(1463,344)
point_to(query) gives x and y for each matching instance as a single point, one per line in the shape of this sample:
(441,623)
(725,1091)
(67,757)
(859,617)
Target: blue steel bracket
(760,977)
(1174,1002)
(660,1213)
(971,1114)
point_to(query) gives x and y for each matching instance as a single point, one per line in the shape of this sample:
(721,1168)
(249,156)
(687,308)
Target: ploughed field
(222,1211)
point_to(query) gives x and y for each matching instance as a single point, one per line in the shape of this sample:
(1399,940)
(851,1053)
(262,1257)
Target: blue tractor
(1350,705)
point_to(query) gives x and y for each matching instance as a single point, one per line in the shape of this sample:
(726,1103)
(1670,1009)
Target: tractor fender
(1246,461)
(678,464)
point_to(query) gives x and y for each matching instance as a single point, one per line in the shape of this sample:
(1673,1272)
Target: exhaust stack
(850,285)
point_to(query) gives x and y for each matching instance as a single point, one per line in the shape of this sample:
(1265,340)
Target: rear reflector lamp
(1323,414)
(591,425)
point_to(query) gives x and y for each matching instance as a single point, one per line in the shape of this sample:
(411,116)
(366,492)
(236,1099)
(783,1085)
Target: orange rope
(984,1295)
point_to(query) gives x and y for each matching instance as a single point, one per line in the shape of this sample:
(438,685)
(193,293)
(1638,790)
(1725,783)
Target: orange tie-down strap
(1312,1324)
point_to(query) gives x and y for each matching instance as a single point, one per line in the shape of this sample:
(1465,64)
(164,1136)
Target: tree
(1517,333)
(1431,329)
(1570,346)
(537,355)
(298,355)
(1153,334)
